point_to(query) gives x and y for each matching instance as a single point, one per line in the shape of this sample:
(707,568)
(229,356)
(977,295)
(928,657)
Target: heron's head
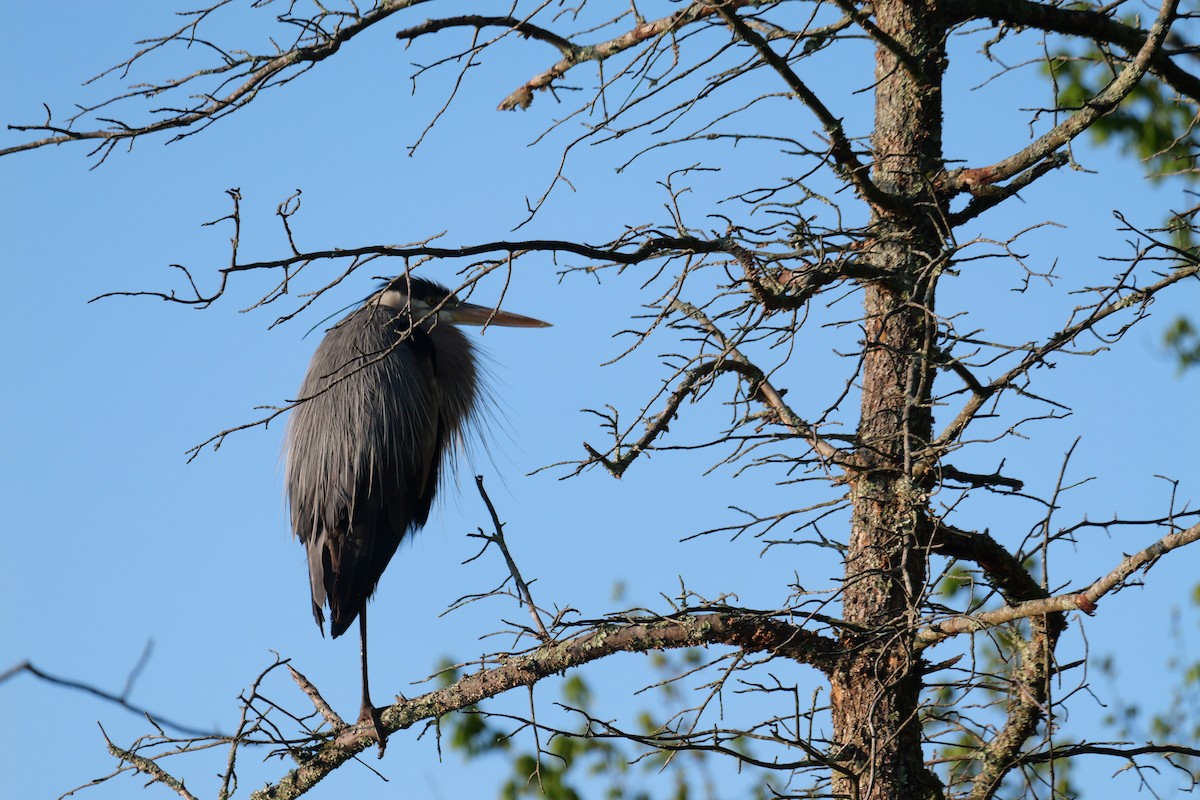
(423,299)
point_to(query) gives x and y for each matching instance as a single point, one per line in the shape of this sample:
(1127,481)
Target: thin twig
(497,538)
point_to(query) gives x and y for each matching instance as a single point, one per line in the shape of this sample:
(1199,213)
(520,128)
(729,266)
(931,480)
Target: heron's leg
(368,712)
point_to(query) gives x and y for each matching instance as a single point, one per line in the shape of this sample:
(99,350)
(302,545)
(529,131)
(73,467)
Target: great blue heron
(386,399)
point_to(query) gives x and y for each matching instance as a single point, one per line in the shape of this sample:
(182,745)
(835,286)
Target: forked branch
(1085,600)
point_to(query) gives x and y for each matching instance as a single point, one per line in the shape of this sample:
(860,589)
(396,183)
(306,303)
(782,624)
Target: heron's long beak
(471,314)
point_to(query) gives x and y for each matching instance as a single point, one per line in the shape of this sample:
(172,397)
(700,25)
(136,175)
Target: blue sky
(114,540)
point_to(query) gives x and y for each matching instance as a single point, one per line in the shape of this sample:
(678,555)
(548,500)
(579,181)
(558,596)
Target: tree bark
(875,696)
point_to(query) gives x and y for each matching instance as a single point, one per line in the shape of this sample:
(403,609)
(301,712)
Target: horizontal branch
(648,249)
(1099,749)
(611,253)
(750,632)
(950,472)
(479,21)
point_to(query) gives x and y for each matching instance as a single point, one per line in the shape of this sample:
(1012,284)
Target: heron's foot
(371,714)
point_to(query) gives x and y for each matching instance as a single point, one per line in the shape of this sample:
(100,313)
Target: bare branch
(149,767)
(1085,600)
(323,708)
(1100,105)
(477,21)
(1117,299)
(257,73)
(766,392)
(497,538)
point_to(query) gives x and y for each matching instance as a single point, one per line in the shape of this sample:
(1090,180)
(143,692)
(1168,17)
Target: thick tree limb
(1010,577)
(1026,707)
(750,632)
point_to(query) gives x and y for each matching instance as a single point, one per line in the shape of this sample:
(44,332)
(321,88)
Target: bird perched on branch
(388,395)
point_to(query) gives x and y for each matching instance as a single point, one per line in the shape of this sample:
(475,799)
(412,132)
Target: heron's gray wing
(362,458)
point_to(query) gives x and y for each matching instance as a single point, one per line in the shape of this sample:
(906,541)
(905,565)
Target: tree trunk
(875,697)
